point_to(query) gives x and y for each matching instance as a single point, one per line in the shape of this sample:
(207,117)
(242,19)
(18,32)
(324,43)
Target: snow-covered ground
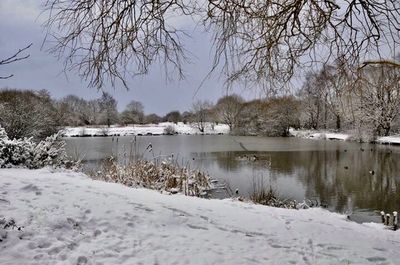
(68,218)
(148,129)
(389,140)
(312,134)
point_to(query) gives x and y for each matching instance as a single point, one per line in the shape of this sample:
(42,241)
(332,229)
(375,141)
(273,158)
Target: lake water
(352,178)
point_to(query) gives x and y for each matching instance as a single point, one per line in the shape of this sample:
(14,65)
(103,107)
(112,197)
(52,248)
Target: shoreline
(326,135)
(210,129)
(165,128)
(68,217)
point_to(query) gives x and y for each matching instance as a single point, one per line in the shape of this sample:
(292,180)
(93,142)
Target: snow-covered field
(311,134)
(148,129)
(68,218)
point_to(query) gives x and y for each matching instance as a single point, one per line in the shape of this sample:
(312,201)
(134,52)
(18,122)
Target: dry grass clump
(268,197)
(265,195)
(163,176)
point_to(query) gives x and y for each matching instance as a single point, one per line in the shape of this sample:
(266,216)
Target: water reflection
(348,177)
(346,181)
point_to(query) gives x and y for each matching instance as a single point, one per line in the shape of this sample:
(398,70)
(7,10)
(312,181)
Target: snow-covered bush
(164,176)
(9,229)
(27,153)
(169,130)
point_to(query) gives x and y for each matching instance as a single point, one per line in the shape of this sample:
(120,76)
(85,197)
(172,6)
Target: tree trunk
(338,122)
(386,129)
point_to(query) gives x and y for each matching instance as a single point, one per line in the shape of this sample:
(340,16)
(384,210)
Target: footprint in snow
(96,233)
(177,211)
(287,225)
(82,260)
(130,224)
(380,249)
(376,259)
(4,201)
(75,224)
(32,188)
(197,227)
(54,251)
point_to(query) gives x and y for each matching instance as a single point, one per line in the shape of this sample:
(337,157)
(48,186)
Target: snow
(28,153)
(319,134)
(314,134)
(389,140)
(68,218)
(147,129)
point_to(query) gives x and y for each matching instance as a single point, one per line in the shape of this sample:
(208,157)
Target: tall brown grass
(162,175)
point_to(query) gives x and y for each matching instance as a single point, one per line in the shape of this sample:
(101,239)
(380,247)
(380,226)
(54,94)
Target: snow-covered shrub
(164,176)
(9,228)
(27,153)
(104,131)
(169,130)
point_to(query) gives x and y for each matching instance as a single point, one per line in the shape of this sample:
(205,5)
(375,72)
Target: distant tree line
(332,98)
(365,102)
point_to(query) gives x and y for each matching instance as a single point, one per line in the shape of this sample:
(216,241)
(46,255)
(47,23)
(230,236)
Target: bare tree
(280,114)
(228,109)
(254,40)
(133,113)
(108,108)
(251,118)
(186,117)
(25,113)
(18,56)
(75,111)
(312,94)
(201,114)
(337,82)
(378,91)
(173,116)
(153,118)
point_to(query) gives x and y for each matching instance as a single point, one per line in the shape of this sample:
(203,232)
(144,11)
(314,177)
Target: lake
(349,177)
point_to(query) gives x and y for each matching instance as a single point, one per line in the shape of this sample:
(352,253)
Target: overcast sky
(20,24)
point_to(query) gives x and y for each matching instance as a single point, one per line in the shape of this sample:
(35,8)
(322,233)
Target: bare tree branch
(254,40)
(14,58)
(6,77)
(112,40)
(380,62)
(257,40)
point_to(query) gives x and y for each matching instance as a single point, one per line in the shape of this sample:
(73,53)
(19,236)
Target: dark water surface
(352,178)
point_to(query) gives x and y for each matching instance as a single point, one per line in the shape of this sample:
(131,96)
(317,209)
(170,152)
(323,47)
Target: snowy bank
(147,129)
(313,134)
(68,218)
(395,140)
